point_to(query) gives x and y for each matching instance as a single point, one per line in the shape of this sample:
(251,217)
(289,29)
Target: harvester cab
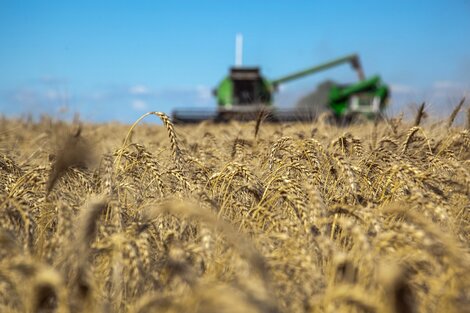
(243,87)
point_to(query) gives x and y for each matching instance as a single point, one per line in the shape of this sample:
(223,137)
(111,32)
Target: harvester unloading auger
(245,93)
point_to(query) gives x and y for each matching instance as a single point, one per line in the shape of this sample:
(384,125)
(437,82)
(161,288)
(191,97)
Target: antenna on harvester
(239,50)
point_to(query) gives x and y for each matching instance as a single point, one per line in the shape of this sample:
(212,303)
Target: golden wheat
(236,217)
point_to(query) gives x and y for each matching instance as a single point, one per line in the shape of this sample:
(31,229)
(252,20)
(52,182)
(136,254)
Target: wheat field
(237,217)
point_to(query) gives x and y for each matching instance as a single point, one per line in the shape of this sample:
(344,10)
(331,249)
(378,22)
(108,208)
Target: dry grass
(235,218)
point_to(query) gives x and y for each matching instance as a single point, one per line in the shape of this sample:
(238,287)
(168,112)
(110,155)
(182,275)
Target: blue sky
(114,60)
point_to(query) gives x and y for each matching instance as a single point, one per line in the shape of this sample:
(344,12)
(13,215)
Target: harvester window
(246,85)
(245,91)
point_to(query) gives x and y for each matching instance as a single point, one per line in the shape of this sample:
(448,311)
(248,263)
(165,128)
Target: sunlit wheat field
(235,217)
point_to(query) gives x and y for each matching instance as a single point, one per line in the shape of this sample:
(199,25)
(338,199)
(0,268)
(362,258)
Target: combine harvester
(245,93)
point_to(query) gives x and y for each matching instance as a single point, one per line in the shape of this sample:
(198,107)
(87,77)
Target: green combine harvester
(244,93)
